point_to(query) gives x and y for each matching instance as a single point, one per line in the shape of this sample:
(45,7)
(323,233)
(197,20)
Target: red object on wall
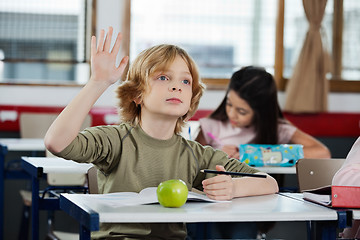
(318,125)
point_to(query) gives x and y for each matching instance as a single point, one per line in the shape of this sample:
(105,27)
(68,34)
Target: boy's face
(239,112)
(170,91)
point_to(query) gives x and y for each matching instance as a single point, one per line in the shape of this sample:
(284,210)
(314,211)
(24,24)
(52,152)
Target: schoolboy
(161,91)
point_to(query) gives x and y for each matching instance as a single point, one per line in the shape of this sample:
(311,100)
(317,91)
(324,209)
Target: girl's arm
(231,150)
(103,74)
(223,187)
(312,147)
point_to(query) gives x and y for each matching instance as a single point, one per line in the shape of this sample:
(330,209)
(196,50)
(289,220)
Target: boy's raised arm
(104,73)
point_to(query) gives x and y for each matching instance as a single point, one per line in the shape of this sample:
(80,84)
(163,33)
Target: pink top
(218,134)
(349,173)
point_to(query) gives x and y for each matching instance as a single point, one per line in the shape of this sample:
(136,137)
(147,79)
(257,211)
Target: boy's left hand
(103,58)
(220,187)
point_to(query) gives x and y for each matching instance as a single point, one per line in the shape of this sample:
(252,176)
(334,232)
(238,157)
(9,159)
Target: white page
(146,196)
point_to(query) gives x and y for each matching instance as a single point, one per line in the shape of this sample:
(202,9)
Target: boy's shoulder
(116,128)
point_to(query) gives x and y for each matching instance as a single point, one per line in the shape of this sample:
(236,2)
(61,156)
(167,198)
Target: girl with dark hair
(250,113)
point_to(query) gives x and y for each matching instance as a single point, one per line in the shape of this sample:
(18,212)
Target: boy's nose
(173,89)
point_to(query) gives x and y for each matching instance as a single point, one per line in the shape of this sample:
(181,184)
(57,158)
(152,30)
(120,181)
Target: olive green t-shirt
(129,160)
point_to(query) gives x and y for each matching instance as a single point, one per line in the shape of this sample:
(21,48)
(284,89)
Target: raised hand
(103,59)
(104,72)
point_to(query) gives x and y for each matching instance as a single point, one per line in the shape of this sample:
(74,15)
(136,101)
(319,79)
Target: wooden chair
(35,125)
(313,173)
(92,180)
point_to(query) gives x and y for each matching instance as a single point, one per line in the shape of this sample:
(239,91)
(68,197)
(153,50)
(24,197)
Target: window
(351,40)
(43,39)
(221,35)
(339,36)
(224,35)
(50,39)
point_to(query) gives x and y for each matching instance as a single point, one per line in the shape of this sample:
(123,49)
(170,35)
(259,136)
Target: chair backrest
(35,125)
(92,180)
(313,173)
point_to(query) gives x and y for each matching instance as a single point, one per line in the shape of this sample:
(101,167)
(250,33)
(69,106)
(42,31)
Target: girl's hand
(103,59)
(220,187)
(232,151)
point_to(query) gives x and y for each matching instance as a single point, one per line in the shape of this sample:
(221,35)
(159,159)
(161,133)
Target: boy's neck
(159,129)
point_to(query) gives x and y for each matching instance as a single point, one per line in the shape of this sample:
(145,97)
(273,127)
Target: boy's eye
(163,78)
(187,82)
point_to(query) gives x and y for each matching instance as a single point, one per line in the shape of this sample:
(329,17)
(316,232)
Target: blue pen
(189,133)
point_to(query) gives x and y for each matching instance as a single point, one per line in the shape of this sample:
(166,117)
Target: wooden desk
(273,207)
(14,145)
(38,167)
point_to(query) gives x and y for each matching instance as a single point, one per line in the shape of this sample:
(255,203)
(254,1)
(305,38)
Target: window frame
(336,84)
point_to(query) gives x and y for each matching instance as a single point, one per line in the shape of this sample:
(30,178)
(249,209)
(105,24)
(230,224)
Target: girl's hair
(257,87)
(135,85)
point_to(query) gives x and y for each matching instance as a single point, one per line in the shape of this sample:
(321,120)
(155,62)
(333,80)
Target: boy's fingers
(123,63)
(215,180)
(220,168)
(93,46)
(107,43)
(116,47)
(100,46)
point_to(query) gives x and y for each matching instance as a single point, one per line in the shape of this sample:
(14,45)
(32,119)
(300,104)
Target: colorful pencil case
(279,155)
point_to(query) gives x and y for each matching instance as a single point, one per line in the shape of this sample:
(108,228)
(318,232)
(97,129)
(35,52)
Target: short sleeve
(349,173)
(209,126)
(286,131)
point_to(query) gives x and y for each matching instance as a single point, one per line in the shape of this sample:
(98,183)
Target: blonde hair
(134,86)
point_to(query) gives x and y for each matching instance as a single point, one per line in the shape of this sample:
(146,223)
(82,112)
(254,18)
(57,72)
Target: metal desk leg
(35,208)
(325,230)
(3,152)
(85,234)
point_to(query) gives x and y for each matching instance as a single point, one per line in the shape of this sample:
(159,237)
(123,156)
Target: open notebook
(145,196)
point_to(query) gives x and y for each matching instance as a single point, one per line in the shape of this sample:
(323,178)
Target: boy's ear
(137,100)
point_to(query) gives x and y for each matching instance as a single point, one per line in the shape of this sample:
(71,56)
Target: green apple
(172,193)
